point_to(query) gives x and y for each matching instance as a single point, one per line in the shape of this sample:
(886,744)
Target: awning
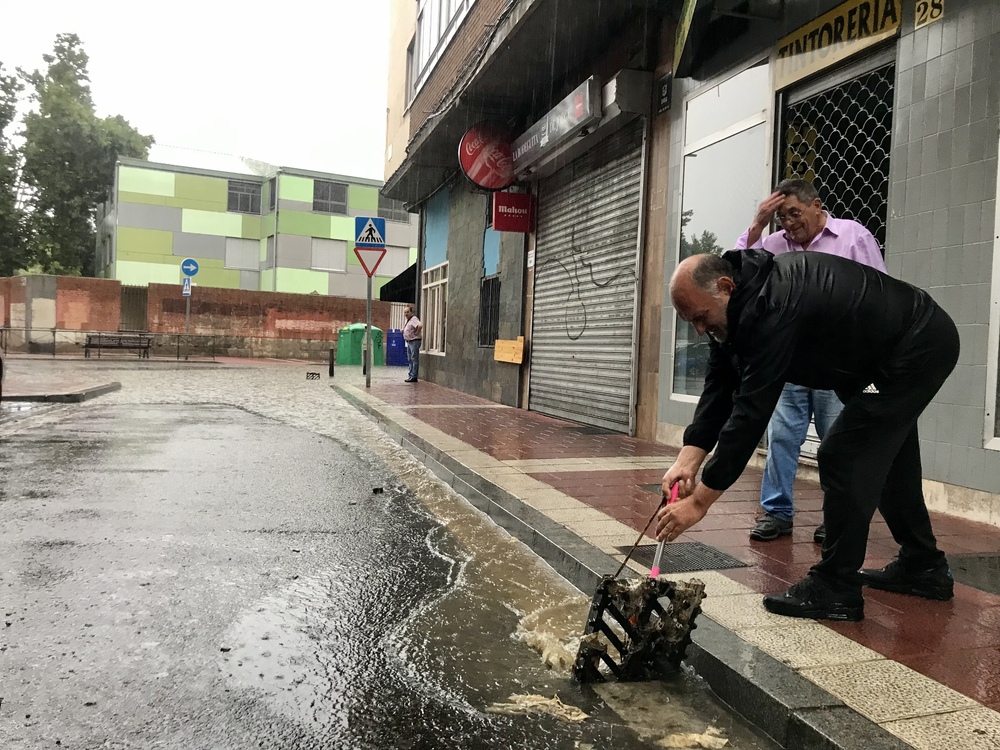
(403,288)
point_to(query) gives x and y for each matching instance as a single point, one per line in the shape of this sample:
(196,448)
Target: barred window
(244,197)
(329,197)
(489,310)
(392,210)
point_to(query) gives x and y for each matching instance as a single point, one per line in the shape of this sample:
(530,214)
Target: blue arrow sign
(369,231)
(186,287)
(189,266)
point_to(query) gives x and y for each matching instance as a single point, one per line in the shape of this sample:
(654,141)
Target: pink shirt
(842,237)
(411,329)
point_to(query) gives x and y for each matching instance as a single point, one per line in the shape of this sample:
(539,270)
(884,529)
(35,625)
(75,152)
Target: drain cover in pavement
(979,571)
(685,557)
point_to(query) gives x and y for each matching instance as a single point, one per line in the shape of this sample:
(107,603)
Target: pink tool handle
(654,572)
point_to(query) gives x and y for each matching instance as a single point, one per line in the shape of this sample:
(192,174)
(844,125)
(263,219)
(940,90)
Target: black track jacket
(813,319)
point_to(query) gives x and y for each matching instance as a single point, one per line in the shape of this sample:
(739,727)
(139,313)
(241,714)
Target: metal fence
(61,342)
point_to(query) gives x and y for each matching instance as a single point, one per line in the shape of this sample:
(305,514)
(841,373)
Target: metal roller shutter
(585,285)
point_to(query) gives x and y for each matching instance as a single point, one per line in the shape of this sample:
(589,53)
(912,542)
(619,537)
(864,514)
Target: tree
(69,159)
(707,243)
(13,254)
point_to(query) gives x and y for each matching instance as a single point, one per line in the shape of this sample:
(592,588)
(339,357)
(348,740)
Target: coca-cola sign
(486,158)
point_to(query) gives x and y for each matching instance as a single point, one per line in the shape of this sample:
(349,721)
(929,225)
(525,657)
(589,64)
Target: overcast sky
(293,83)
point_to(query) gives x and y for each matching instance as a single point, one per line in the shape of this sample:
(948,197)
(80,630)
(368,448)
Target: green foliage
(708,242)
(12,250)
(69,160)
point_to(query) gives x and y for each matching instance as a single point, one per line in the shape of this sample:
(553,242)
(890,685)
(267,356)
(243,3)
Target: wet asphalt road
(178,575)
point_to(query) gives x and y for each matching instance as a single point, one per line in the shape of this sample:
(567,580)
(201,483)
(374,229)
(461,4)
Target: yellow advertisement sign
(844,31)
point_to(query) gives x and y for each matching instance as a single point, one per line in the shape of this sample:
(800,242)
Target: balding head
(700,289)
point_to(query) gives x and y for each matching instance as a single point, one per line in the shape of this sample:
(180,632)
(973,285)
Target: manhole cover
(685,557)
(979,571)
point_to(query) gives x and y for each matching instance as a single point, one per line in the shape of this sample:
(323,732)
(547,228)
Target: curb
(72,397)
(773,697)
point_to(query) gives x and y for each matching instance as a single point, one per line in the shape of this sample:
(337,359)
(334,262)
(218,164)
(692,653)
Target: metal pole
(368,336)
(187,316)
(333,354)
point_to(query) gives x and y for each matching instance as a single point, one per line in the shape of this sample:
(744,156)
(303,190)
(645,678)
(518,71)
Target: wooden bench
(139,342)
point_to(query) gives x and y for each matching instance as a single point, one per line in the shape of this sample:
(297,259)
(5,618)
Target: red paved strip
(514,434)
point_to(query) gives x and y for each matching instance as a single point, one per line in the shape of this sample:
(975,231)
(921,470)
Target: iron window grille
(329,197)
(392,210)
(244,197)
(839,139)
(489,310)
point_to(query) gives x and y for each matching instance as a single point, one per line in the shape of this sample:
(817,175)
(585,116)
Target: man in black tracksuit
(823,322)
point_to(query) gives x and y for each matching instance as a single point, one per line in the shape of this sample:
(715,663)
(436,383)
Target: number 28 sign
(928,11)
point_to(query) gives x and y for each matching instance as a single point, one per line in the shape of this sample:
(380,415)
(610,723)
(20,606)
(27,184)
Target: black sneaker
(813,599)
(819,536)
(769,528)
(930,583)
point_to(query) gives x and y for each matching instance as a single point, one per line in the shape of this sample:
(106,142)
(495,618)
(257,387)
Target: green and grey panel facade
(161,214)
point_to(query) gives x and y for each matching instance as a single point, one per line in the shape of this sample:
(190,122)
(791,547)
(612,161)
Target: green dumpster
(351,343)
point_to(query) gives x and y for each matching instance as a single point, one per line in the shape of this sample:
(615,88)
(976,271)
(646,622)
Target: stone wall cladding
(467,366)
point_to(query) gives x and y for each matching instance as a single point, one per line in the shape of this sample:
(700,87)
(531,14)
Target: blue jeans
(786,432)
(413,357)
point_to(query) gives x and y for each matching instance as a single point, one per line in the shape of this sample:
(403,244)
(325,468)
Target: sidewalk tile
(887,690)
(969,729)
(808,644)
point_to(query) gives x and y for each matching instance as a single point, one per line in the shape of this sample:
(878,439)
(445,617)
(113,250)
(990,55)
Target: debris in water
(630,632)
(712,739)
(527,704)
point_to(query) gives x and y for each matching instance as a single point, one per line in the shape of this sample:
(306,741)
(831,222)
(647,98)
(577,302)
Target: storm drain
(685,557)
(979,571)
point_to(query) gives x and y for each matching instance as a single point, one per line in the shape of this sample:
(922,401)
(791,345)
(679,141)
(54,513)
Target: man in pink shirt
(805,226)
(413,331)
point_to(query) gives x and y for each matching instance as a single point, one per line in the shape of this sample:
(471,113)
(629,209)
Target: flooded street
(232,557)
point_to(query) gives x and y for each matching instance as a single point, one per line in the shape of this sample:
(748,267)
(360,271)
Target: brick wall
(268,315)
(84,304)
(475,28)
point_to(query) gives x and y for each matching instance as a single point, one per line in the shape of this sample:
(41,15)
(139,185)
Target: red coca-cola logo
(486,157)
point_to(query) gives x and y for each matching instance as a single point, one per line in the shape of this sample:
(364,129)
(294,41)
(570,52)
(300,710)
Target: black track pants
(871,455)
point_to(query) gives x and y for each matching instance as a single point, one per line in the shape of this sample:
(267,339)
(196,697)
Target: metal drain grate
(685,557)
(979,571)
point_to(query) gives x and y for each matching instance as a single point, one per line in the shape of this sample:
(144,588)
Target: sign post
(369,240)
(189,267)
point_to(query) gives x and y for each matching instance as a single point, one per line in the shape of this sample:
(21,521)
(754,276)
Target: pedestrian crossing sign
(369,231)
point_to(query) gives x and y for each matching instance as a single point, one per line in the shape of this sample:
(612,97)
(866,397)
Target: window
(489,310)
(725,132)
(329,197)
(329,255)
(410,63)
(244,197)
(242,254)
(434,306)
(392,210)
(272,193)
(437,21)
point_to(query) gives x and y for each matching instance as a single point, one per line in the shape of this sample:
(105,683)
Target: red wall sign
(513,212)
(486,157)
